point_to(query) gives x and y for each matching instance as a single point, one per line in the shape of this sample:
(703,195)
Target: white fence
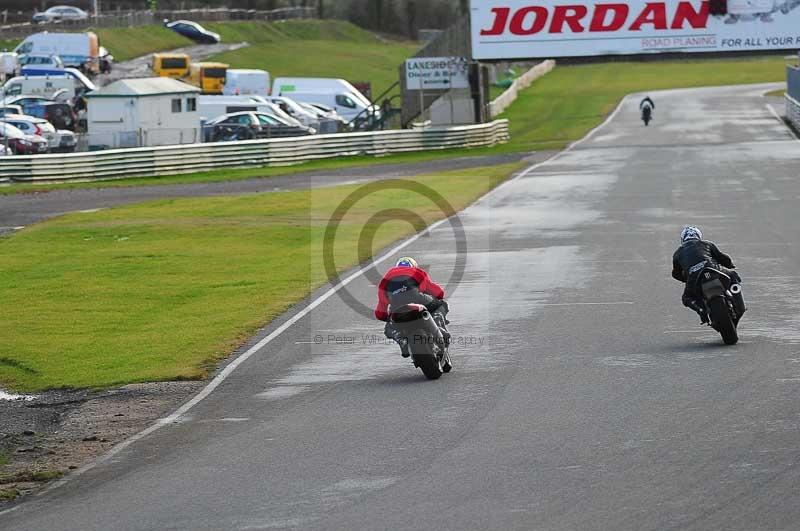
(501,102)
(189,158)
(793,111)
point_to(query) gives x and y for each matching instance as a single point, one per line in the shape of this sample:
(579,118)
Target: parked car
(41,59)
(26,101)
(5,152)
(19,142)
(59,113)
(194,31)
(58,140)
(106,60)
(10,109)
(329,121)
(57,13)
(248,125)
(293,109)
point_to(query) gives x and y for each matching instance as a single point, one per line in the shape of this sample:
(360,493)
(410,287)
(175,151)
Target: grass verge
(776,93)
(163,290)
(315,48)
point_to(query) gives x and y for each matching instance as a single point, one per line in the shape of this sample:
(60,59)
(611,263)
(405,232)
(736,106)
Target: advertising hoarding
(516,29)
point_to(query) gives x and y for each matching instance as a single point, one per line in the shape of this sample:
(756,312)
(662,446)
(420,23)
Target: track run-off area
(584,395)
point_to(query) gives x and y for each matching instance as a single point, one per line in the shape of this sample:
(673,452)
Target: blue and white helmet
(691,233)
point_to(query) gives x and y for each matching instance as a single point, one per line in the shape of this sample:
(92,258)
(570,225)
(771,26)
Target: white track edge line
(222,375)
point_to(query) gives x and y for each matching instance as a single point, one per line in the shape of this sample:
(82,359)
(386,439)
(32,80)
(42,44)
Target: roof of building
(140,87)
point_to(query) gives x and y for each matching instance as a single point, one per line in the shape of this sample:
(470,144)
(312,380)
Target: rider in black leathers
(689,260)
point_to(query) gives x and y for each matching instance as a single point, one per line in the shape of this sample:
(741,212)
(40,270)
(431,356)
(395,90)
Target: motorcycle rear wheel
(721,317)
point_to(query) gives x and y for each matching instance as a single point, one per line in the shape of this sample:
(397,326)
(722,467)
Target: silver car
(58,140)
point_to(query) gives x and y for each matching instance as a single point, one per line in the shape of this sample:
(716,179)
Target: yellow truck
(174,65)
(210,77)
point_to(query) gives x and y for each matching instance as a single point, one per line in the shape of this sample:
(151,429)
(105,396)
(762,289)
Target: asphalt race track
(588,398)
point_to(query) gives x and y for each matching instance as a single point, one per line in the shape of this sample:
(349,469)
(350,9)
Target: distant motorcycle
(647,114)
(424,338)
(724,302)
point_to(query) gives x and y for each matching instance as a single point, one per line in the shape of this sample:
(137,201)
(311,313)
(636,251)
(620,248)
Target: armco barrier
(793,96)
(500,103)
(793,112)
(189,158)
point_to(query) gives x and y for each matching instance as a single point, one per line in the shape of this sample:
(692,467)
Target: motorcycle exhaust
(738,299)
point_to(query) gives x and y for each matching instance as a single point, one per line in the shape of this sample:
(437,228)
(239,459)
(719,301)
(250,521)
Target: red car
(20,143)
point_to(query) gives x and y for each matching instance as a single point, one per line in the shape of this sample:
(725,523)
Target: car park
(59,13)
(10,109)
(248,125)
(21,143)
(26,101)
(61,114)
(194,31)
(294,110)
(58,141)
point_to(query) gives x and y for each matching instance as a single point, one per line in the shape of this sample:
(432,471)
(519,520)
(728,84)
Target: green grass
(163,290)
(3,458)
(127,43)
(776,93)
(317,49)
(8,494)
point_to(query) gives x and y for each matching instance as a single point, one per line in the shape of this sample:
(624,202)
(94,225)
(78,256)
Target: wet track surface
(584,396)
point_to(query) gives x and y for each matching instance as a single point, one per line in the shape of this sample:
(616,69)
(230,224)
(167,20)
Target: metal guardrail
(190,158)
(793,82)
(793,111)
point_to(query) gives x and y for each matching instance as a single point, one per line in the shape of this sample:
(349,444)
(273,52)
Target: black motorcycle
(647,114)
(724,302)
(424,338)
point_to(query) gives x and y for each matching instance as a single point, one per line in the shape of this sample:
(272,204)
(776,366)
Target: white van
(82,83)
(337,93)
(244,81)
(44,86)
(79,50)
(9,64)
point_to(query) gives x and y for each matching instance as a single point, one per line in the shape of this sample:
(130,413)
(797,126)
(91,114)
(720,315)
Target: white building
(155,111)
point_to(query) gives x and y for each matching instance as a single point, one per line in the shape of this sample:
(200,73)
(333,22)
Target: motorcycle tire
(431,366)
(646,121)
(721,317)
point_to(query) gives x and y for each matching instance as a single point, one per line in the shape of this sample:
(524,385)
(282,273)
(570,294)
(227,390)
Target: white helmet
(691,233)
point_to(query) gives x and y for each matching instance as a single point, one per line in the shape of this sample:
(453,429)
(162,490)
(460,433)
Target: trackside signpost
(437,73)
(515,29)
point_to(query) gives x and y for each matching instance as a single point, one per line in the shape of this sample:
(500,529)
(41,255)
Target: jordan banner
(517,29)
